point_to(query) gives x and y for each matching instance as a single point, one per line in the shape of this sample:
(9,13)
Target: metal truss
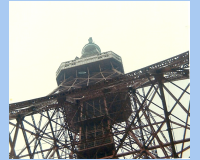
(158,125)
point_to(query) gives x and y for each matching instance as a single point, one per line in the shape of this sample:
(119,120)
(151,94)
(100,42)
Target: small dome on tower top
(90,49)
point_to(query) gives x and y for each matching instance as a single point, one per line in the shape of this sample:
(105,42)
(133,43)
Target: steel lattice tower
(97,111)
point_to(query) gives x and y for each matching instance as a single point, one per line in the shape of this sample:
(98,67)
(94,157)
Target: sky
(44,34)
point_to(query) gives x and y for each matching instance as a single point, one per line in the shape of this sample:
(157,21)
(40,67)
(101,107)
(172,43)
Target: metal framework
(156,125)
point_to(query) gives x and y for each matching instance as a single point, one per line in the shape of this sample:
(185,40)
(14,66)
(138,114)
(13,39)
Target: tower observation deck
(99,112)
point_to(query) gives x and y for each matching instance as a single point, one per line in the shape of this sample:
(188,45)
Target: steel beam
(167,118)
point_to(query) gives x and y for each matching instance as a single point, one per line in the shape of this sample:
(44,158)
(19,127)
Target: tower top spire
(90,49)
(90,40)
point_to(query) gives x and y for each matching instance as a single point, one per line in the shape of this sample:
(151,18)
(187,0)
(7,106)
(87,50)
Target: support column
(80,127)
(162,96)
(106,110)
(108,121)
(138,118)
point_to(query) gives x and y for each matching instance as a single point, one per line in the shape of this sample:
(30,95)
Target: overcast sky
(44,34)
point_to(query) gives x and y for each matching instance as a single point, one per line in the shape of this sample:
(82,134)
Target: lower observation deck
(172,69)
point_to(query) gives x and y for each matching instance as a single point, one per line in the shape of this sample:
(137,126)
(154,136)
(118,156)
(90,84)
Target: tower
(98,111)
(95,116)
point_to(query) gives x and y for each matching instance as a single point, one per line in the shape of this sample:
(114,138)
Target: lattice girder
(158,125)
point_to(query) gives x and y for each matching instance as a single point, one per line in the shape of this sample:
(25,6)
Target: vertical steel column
(13,153)
(54,137)
(26,140)
(37,133)
(185,132)
(80,119)
(138,117)
(66,126)
(162,96)
(107,114)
